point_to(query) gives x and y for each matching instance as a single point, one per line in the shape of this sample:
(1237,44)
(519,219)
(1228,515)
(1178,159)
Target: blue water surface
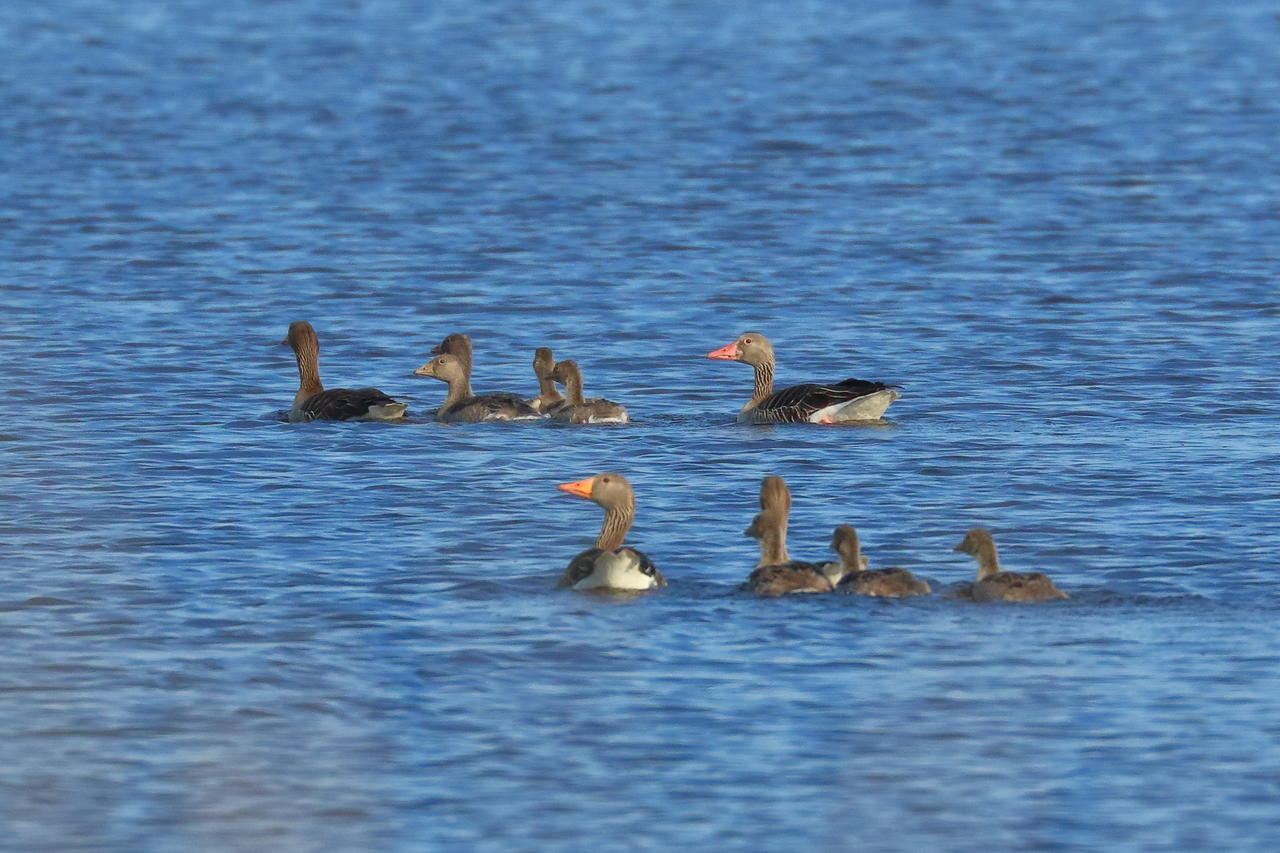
(1056,224)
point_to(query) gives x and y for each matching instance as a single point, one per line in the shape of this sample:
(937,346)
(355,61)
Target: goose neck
(617,522)
(764,381)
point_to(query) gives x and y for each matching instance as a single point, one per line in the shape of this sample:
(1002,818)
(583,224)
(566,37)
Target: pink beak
(728,352)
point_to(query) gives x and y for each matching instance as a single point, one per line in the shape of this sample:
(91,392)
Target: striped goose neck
(309,383)
(988,559)
(617,521)
(764,382)
(773,545)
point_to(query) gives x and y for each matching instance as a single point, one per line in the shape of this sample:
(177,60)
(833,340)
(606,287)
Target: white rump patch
(386,412)
(869,408)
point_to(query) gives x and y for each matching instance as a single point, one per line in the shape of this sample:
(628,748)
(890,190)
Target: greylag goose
(844,402)
(461,404)
(857,579)
(459,346)
(608,565)
(777,574)
(577,410)
(314,403)
(549,397)
(995,584)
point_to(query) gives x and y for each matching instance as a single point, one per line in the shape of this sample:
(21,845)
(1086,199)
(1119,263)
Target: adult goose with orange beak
(608,566)
(850,401)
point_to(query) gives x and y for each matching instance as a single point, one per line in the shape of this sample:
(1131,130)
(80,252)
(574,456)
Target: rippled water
(1055,224)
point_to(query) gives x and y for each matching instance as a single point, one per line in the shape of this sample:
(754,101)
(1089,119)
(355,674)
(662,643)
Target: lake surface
(1057,225)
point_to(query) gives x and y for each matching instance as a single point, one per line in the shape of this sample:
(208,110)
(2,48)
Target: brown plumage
(608,565)
(777,574)
(549,397)
(995,584)
(577,409)
(459,346)
(848,401)
(461,404)
(857,579)
(314,403)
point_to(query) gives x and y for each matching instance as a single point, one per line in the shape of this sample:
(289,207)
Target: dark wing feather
(890,583)
(584,564)
(579,567)
(341,404)
(797,403)
(486,406)
(1017,586)
(783,578)
(505,397)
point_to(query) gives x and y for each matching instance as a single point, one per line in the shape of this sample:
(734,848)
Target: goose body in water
(856,578)
(849,401)
(578,410)
(609,565)
(459,346)
(461,405)
(777,574)
(314,403)
(995,584)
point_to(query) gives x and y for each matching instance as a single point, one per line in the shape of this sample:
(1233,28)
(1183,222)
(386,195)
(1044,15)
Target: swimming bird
(459,346)
(857,579)
(576,409)
(461,404)
(995,584)
(314,403)
(776,573)
(849,401)
(608,565)
(549,397)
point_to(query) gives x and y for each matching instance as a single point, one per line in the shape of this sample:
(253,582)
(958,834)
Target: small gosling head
(974,541)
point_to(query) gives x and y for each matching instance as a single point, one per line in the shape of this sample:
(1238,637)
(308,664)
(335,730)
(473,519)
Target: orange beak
(582,488)
(728,352)
(425,370)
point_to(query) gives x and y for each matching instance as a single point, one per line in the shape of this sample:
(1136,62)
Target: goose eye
(746,340)
(604,479)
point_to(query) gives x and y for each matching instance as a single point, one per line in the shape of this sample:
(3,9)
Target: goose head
(445,367)
(302,336)
(609,490)
(975,542)
(543,362)
(751,348)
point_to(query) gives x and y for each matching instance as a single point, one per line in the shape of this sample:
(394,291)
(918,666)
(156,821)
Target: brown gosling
(579,410)
(994,584)
(549,397)
(461,404)
(777,574)
(857,579)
